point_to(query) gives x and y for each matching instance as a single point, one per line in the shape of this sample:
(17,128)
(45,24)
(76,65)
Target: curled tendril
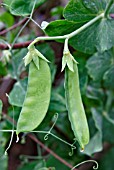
(72,148)
(46,137)
(94,167)
(72,151)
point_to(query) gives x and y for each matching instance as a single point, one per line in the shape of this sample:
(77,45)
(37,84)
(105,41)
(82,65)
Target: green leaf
(83,10)
(18,92)
(99,36)
(36,61)
(76,11)
(7,18)
(109,78)
(16,65)
(98,64)
(7,3)
(105,36)
(95,144)
(23,7)
(95,6)
(61,27)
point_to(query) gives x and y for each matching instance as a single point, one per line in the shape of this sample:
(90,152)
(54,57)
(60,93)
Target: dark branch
(16,46)
(50,151)
(13,27)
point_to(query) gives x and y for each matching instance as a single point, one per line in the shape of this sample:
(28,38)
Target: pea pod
(37,97)
(75,107)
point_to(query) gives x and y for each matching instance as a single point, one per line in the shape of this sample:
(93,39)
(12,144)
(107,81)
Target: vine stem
(108,8)
(68,36)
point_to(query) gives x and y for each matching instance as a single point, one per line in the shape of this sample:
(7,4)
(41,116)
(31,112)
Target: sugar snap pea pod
(75,107)
(37,97)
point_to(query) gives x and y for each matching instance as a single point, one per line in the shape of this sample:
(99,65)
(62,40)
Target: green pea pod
(37,97)
(75,107)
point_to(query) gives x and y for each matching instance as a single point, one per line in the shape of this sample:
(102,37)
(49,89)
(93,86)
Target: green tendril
(94,167)
(49,132)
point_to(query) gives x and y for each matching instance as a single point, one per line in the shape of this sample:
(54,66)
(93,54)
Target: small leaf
(70,63)
(27,59)
(36,61)
(63,62)
(41,56)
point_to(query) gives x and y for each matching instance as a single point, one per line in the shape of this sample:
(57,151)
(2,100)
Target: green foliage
(101,62)
(3,18)
(22,7)
(17,95)
(91,38)
(93,50)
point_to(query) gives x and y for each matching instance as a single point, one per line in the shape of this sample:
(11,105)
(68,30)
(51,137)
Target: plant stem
(108,8)
(86,25)
(68,36)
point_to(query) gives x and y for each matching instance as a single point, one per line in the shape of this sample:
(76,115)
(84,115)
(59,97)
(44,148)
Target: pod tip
(82,150)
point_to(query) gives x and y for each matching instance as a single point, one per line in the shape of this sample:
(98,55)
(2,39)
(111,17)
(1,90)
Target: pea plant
(75,110)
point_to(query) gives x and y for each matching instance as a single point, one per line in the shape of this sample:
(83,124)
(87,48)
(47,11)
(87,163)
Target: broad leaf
(98,64)
(83,10)
(61,27)
(23,7)
(99,36)
(76,11)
